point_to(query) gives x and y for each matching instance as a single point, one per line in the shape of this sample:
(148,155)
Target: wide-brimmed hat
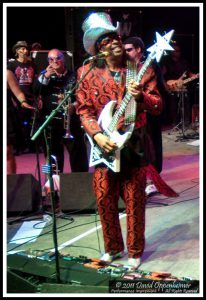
(96,25)
(19,44)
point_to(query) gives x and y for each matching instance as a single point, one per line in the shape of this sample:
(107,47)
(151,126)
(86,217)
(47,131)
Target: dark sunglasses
(57,58)
(105,40)
(129,49)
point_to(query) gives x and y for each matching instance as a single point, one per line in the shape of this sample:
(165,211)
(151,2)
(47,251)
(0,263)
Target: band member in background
(65,128)
(107,81)
(52,84)
(176,69)
(134,48)
(25,71)
(36,46)
(13,88)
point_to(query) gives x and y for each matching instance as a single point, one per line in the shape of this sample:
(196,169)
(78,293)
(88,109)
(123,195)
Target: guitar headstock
(161,45)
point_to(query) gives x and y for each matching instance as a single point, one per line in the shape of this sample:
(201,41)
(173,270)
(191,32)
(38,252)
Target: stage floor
(172,224)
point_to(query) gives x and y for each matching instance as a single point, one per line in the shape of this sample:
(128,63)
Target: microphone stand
(33,138)
(37,149)
(51,183)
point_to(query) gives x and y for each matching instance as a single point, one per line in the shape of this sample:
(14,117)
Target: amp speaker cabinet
(40,59)
(23,193)
(76,193)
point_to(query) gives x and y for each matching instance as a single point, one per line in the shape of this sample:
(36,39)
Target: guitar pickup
(109,157)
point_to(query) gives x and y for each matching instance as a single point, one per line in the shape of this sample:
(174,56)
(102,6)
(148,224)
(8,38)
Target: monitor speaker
(66,288)
(76,192)
(24,273)
(16,283)
(23,193)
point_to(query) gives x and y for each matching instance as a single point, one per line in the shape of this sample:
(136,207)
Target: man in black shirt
(52,85)
(24,70)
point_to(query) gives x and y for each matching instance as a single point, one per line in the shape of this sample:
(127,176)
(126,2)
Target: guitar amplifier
(40,59)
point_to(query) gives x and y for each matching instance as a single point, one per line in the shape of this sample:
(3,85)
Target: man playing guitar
(177,74)
(104,82)
(178,84)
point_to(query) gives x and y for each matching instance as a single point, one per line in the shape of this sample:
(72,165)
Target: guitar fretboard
(119,112)
(190,79)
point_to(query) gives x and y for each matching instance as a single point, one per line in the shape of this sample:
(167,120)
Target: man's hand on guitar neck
(135,89)
(104,142)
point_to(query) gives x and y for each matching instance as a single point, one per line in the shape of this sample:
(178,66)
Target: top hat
(19,44)
(96,25)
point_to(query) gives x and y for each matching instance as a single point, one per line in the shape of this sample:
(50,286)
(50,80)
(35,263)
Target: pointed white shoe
(134,262)
(110,257)
(151,189)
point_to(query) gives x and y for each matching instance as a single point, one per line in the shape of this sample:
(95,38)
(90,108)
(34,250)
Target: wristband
(24,101)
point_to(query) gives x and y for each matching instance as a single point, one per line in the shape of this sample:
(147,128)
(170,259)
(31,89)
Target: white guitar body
(105,119)
(111,160)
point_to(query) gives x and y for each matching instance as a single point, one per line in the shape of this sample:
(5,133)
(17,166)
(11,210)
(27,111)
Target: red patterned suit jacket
(99,87)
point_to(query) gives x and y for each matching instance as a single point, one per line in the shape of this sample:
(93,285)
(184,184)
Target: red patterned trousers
(130,185)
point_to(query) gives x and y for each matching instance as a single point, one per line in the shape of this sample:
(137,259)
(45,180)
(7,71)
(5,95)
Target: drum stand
(182,121)
(181,125)
(181,104)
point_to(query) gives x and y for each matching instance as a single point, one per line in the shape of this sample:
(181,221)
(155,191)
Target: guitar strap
(130,111)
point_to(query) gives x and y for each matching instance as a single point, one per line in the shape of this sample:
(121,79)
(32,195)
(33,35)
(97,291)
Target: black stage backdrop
(60,27)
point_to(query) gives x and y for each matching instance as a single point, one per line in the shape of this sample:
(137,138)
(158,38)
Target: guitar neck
(119,112)
(146,64)
(189,79)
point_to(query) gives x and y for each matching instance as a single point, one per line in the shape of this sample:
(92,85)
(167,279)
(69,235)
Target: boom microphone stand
(38,132)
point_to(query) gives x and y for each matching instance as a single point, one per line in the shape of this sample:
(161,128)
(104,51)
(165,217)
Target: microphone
(43,72)
(54,76)
(98,56)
